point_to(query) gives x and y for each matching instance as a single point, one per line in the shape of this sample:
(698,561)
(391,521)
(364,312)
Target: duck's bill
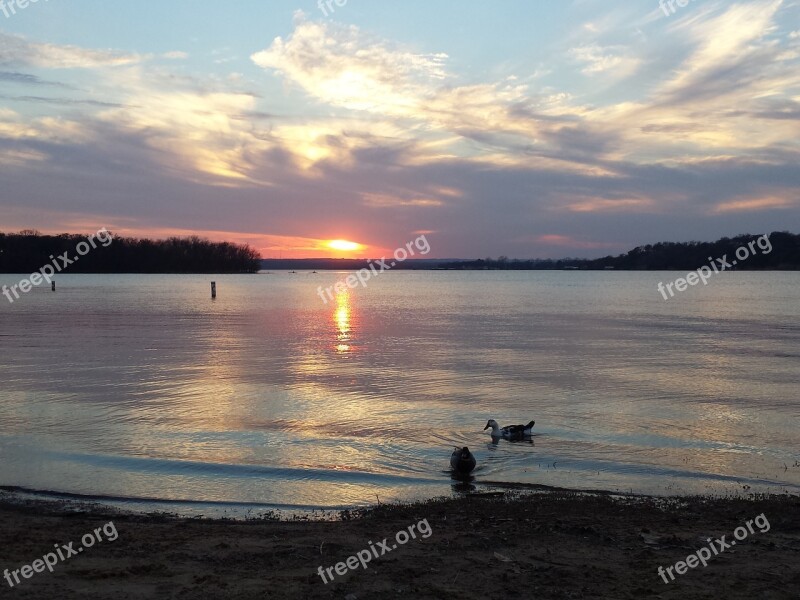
(485,428)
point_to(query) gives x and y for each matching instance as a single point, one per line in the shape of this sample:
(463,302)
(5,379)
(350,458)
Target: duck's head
(493,424)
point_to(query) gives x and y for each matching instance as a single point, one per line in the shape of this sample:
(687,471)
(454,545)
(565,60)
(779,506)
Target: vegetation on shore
(664,256)
(28,251)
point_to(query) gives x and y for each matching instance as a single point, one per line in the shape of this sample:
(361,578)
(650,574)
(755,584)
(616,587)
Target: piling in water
(213,289)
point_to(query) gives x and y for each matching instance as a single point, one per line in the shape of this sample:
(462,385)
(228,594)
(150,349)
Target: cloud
(605,60)
(50,130)
(342,67)
(731,51)
(196,131)
(61,101)
(28,79)
(754,205)
(16,50)
(387,201)
(730,74)
(626,205)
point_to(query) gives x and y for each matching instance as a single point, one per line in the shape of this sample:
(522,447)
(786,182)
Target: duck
(509,432)
(462,461)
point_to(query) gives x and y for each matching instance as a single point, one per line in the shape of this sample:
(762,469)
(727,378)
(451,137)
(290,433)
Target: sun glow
(344,245)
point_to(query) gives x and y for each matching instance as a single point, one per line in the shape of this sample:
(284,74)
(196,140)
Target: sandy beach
(542,545)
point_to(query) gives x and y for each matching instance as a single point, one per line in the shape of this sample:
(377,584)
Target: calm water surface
(142,387)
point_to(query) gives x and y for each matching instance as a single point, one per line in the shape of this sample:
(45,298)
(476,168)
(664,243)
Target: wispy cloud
(28,79)
(755,204)
(17,50)
(611,60)
(385,201)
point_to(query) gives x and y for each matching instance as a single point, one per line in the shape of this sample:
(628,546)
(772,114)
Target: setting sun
(344,245)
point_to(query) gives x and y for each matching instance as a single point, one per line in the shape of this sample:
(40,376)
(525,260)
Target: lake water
(143,388)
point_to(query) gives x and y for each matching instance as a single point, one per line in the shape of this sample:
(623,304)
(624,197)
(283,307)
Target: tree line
(664,256)
(27,251)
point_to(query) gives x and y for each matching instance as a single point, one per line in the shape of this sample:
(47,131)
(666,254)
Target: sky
(575,128)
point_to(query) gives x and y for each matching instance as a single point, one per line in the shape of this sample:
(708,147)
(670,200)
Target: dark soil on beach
(549,545)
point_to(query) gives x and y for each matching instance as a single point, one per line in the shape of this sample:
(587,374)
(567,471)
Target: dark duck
(462,461)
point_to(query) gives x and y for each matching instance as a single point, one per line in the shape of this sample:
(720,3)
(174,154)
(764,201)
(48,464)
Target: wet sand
(544,545)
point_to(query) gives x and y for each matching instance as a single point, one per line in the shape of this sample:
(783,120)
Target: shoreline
(546,544)
(231,510)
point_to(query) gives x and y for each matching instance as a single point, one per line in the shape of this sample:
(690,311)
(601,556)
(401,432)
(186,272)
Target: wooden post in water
(213,289)
(53,285)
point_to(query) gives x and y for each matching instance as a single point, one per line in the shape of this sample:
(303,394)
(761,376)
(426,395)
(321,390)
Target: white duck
(510,432)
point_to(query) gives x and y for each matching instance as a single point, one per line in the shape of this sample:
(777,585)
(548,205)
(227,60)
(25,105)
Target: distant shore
(543,545)
(778,251)
(324,265)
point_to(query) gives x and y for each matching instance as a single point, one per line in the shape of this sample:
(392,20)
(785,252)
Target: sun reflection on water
(341,317)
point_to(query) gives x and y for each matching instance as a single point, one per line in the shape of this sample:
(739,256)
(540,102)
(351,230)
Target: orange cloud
(753,204)
(385,201)
(604,205)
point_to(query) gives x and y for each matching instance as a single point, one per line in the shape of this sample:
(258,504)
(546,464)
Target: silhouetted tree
(28,251)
